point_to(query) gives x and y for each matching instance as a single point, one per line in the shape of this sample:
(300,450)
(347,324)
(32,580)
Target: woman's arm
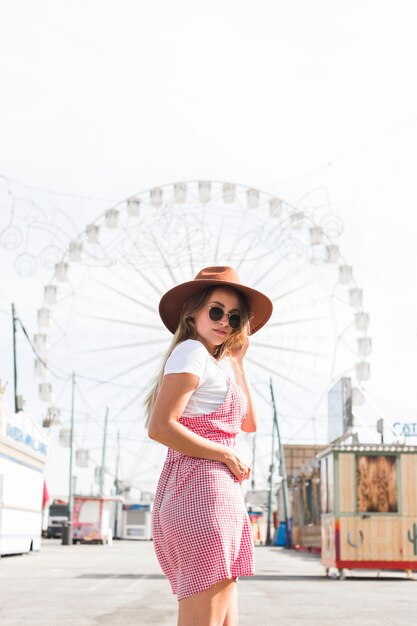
(250,423)
(164,427)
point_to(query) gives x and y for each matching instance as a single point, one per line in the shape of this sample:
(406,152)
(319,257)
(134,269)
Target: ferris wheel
(99,312)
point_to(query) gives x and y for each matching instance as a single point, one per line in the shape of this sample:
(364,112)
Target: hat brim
(171,304)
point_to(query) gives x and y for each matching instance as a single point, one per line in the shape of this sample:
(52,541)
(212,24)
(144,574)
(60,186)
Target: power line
(54,192)
(105,56)
(45,364)
(349,154)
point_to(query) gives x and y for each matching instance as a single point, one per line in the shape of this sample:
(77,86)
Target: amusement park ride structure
(98,313)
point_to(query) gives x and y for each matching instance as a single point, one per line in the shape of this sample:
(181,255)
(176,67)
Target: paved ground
(121,585)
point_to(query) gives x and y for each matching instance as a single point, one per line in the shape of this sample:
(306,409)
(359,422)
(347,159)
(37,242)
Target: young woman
(202,533)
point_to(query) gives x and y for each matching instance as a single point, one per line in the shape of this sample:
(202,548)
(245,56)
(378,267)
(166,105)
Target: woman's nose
(224,320)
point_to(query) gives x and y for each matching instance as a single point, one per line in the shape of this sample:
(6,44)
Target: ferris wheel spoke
(280,227)
(165,262)
(56,370)
(238,237)
(124,322)
(219,234)
(120,386)
(342,340)
(120,393)
(108,402)
(93,412)
(313,302)
(302,370)
(291,322)
(290,400)
(237,233)
(243,255)
(300,428)
(125,295)
(259,279)
(268,401)
(292,291)
(187,234)
(143,276)
(93,302)
(141,457)
(318,402)
(254,237)
(126,406)
(297,273)
(274,371)
(131,369)
(106,248)
(270,346)
(143,470)
(135,344)
(60,327)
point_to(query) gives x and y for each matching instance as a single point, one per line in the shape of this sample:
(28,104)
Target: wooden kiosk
(369,507)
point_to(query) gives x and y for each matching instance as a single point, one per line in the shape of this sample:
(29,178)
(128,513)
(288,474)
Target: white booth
(137,521)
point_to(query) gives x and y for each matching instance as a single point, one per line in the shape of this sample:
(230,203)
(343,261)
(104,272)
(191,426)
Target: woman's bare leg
(232,616)
(209,607)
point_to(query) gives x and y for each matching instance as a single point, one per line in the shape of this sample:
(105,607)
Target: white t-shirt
(192,356)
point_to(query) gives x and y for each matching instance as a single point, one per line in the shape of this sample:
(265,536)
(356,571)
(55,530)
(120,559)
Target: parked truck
(57,516)
(23,454)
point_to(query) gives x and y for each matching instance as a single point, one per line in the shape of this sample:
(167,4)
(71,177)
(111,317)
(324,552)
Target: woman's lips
(222,333)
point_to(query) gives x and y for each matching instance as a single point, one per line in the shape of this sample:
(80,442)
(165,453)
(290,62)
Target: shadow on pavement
(266,577)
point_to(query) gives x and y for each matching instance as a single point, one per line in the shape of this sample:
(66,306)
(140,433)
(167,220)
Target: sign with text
(407,429)
(339,403)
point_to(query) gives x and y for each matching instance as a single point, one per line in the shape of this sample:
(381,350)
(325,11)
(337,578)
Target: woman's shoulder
(191,346)
(188,356)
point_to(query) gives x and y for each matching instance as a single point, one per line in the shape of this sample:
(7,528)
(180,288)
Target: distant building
(303,476)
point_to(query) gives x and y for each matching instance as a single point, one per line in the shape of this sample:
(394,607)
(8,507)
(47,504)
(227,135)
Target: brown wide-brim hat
(172,303)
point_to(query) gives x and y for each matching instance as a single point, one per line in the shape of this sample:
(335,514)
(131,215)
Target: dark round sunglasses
(216,314)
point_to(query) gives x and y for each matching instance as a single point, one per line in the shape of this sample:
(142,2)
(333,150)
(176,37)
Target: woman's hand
(238,353)
(249,424)
(239,468)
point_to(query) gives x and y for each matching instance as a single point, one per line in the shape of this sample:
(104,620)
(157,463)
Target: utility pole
(116,481)
(117,505)
(103,454)
(67,537)
(268,539)
(16,403)
(252,484)
(283,473)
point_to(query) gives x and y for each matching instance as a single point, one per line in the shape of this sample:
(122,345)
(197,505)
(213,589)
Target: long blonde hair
(187,330)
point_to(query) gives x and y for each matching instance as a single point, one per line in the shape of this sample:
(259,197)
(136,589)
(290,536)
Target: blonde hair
(187,330)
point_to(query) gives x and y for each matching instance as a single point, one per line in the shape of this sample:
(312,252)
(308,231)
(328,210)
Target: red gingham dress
(201,529)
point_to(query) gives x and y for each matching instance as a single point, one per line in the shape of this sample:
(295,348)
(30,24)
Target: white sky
(104,99)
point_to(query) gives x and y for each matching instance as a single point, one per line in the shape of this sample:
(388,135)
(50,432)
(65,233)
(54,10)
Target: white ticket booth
(137,521)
